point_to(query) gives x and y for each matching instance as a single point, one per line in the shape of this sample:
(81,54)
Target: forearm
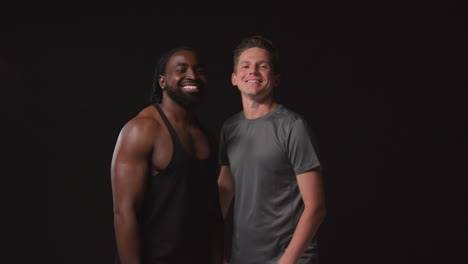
(128,238)
(306,229)
(225,197)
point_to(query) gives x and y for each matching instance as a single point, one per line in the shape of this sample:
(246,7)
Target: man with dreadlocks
(166,207)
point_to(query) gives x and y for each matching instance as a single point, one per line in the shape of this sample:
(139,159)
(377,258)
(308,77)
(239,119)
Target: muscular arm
(311,188)
(226,188)
(128,171)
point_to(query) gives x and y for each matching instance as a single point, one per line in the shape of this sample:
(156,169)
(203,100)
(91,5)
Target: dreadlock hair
(258,41)
(160,69)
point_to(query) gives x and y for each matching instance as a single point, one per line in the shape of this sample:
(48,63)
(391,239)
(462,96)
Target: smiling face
(184,80)
(254,75)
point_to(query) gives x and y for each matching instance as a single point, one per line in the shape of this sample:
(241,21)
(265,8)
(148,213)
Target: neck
(255,108)
(174,110)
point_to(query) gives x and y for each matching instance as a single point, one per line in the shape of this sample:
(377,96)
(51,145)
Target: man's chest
(260,147)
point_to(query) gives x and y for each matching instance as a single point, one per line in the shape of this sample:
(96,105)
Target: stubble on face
(185,79)
(184,99)
(254,75)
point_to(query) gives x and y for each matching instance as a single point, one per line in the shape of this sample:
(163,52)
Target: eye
(181,70)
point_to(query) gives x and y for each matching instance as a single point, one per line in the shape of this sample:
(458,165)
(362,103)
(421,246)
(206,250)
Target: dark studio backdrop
(383,86)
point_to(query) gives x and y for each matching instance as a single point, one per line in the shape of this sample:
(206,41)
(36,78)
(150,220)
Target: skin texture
(144,147)
(255,79)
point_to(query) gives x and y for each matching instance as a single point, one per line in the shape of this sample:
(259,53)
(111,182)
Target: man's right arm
(226,188)
(128,172)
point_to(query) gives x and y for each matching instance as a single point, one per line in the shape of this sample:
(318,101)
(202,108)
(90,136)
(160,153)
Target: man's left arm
(311,189)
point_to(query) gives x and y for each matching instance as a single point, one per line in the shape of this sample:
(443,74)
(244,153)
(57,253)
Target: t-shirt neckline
(261,117)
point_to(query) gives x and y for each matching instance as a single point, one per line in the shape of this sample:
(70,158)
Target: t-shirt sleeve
(301,150)
(223,157)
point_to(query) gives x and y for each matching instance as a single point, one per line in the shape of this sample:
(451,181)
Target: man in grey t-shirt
(270,167)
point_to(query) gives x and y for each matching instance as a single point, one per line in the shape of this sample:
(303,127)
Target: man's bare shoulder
(145,125)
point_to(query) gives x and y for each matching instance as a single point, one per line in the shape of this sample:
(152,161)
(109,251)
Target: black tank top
(176,221)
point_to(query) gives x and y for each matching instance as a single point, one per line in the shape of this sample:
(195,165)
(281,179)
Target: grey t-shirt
(265,155)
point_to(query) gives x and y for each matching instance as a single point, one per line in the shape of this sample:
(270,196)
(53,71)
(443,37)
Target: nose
(253,70)
(191,74)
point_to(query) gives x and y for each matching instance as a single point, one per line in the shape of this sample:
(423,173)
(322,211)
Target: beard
(184,99)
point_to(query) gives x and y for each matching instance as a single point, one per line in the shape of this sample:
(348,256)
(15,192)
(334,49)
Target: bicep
(129,169)
(301,150)
(128,182)
(311,187)
(225,177)
(226,188)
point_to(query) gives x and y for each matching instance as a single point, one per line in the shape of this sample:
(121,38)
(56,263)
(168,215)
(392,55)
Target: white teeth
(190,87)
(253,81)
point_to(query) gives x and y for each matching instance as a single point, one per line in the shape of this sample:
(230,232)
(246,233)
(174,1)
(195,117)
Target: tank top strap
(175,138)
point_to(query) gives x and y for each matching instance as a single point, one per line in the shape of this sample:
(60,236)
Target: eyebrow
(186,64)
(264,61)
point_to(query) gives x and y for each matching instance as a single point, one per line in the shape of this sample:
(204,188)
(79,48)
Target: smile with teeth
(253,81)
(190,87)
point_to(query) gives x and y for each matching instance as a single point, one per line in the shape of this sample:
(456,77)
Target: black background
(383,85)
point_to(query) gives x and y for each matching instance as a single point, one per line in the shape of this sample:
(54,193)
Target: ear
(234,79)
(162,81)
